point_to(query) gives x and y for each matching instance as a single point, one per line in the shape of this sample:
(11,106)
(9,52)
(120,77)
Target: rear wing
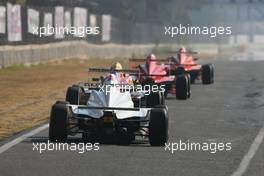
(95,86)
(168,62)
(106,70)
(186,65)
(130,72)
(187,52)
(106,108)
(144,60)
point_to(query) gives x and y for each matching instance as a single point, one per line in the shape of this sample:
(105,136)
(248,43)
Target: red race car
(153,72)
(185,63)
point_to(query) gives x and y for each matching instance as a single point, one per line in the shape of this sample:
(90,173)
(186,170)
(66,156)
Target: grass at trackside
(27,93)
(15,67)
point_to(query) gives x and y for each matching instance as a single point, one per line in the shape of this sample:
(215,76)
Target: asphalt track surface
(231,110)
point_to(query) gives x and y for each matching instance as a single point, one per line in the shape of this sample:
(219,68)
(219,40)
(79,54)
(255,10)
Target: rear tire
(58,123)
(207,74)
(212,73)
(162,97)
(158,127)
(182,87)
(154,99)
(189,85)
(62,102)
(167,88)
(179,71)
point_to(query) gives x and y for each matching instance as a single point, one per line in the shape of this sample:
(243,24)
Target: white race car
(98,114)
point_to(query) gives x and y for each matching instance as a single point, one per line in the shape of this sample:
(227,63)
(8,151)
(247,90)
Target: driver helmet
(182,50)
(150,58)
(116,66)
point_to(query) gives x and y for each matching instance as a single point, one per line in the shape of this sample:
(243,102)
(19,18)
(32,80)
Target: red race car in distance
(185,63)
(152,72)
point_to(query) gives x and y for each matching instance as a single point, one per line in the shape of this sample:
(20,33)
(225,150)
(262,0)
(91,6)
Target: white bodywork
(112,98)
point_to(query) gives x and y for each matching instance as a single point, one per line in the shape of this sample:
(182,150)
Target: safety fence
(43,23)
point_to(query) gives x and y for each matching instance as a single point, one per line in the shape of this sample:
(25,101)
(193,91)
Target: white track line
(250,154)
(16,141)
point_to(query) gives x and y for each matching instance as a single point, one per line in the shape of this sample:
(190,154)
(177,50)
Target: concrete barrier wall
(10,55)
(31,54)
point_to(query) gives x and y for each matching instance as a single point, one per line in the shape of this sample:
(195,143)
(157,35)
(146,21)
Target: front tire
(76,95)
(73,94)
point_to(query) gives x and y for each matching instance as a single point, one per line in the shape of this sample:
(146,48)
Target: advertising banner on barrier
(80,19)
(14,26)
(67,19)
(106,28)
(33,21)
(47,22)
(59,22)
(93,21)
(2,20)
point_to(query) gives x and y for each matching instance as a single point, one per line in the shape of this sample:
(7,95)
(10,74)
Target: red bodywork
(156,73)
(184,60)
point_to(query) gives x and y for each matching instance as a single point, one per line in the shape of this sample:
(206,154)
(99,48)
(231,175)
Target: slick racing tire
(162,96)
(179,71)
(62,102)
(158,127)
(73,94)
(166,92)
(212,73)
(207,74)
(182,90)
(189,85)
(154,99)
(58,122)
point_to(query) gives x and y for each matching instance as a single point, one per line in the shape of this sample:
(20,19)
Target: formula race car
(104,111)
(153,72)
(185,63)
(144,98)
